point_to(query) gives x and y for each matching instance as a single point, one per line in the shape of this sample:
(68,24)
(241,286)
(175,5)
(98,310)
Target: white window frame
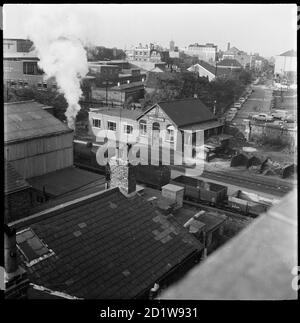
(144,131)
(125,128)
(170,135)
(94,120)
(108,128)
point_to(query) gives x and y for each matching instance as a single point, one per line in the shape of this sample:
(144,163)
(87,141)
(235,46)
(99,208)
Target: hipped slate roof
(107,246)
(27,119)
(229,63)
(185,112)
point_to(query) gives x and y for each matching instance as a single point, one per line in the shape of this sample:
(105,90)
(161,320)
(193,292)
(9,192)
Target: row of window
(23,83)
(128,129)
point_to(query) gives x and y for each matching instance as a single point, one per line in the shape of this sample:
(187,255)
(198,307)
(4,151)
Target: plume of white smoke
(59,34)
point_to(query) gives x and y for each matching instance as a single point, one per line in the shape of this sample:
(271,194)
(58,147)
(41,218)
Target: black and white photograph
(150,153)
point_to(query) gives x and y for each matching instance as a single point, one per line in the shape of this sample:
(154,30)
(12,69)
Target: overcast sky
(268,29)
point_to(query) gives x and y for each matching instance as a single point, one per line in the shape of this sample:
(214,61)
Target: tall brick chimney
(122,173)
(15,277)
(228,46)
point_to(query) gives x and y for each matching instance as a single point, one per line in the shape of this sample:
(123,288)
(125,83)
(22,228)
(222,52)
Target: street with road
(258,102)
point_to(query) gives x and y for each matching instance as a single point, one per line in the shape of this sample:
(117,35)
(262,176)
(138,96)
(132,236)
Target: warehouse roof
(64,180)
(27,119)
(103,246)
(14,182)
(185,112)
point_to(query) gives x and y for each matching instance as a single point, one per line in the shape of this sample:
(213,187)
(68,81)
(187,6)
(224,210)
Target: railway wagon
(154,176)
(85,157)
(249,203)
(247,207)
(198,190)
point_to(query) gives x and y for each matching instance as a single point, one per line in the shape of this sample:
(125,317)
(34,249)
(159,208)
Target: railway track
(278,188)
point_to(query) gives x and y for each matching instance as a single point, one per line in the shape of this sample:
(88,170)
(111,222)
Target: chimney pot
(10,250)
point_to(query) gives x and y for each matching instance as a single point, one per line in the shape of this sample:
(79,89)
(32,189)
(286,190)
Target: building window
(97,123)
(29,68)
(143,128)
(128,129)
(111,126)
(20,83)
(170,133)
(40,85)
(32,247)
(44,85)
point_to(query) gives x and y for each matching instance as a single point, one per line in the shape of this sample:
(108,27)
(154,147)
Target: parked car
(232,110)
(279,114)
(237,105)
(262,117)
(280,123)
(242,100)
(289,119)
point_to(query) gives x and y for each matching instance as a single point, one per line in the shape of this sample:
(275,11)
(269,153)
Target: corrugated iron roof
(27,119)
(119,253)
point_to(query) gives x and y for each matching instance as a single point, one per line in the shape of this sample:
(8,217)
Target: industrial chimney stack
(228,46)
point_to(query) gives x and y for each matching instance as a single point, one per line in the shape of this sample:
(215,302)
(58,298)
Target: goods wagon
(243,202)
(154,176)
(201,191)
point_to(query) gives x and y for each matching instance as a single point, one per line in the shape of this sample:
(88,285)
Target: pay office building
(171,124)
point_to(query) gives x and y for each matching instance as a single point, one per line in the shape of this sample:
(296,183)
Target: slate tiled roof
(27,119)
(107,246)
(229,63)
(120,112)
(14,182)
(127,86)
(187,111)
